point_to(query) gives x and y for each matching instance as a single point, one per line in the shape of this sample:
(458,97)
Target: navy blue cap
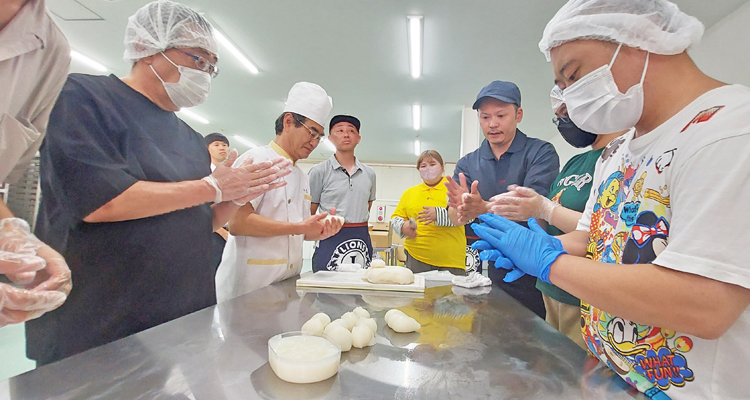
(344,118)
(504,91)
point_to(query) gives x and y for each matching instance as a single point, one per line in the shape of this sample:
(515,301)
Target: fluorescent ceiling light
(245,141)
(416,116)
(329,144)
(89,62)
(193,116)
(417,148)
(226,43)
(415,45)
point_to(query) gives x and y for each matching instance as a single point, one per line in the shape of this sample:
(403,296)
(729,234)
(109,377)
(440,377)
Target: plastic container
(300,357)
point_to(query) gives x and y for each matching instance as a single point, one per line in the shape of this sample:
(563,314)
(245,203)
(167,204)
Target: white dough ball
(351,319)
(361,336)
(361,312)
(368,322)
(313,326)
(337,322)
(389,275)
(403,323)
(391,313)
(341,336)
(322,317)
(377,263)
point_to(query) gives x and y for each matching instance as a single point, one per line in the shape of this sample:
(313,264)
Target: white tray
(353,280)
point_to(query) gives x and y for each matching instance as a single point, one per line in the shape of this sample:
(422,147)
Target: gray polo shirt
(332,186)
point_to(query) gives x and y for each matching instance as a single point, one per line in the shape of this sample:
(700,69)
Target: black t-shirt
(128,276)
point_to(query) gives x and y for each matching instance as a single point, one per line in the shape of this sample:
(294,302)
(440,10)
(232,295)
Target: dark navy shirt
(528,162)
(128,276)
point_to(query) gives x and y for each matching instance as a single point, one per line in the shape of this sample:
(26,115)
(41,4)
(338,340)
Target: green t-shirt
(571,189)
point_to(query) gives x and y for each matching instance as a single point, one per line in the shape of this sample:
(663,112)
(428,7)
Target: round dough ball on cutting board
(389,275)
(377,263)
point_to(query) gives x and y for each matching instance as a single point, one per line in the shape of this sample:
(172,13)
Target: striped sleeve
(442,217)
(396,224)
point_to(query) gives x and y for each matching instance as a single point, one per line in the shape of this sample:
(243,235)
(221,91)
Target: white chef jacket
(34,63)
(248,262)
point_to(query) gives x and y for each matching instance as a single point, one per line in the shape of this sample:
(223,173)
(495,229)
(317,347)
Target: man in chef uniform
(266,235)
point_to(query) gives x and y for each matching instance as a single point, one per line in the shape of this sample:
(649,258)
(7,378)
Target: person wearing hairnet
(560,209)
(34,61)
(266,235)
(666,286)
(126,188)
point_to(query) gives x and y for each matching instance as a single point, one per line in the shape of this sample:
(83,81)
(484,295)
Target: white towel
(472,280)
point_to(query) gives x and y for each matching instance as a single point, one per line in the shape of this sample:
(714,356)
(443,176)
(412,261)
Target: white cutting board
(353,280)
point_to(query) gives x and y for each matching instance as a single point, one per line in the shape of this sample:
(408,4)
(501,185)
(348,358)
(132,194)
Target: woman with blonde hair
(432,242)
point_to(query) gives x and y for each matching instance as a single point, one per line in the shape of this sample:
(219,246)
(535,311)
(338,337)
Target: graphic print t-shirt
(676,197)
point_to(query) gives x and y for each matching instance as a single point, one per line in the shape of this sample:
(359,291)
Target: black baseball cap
(506,92)
(343,118)
(215,137)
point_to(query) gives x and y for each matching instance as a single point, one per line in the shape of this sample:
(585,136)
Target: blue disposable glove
(531,250)
(488,253)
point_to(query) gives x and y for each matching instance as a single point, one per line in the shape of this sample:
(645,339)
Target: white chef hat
(309,100)
(161,25)
(656,26)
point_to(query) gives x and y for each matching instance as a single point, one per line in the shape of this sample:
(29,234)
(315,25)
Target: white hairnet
(656,26)
(161,25)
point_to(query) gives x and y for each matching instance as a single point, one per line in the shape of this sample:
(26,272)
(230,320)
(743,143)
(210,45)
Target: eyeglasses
(313,134)
(203,64)
(556,120)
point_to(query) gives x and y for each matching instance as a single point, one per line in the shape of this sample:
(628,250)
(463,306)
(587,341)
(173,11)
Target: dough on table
(377,263)
(389,275)
(351,319)
(368,322)
(362,336)
(314,325)
(341,336)
(323,317)
(400,322)
(361,312)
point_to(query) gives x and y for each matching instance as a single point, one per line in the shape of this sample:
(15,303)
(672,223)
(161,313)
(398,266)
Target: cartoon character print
(664,160)
(630,224)
(556,198)
(702,116)
(648,238)
(606,215)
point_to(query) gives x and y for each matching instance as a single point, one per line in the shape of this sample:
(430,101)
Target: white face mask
(431,173)
(596,105)
(192,88)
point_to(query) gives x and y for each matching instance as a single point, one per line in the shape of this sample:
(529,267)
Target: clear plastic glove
(521,203)
(29,262)
(246,181)
(531,251)
(19,305)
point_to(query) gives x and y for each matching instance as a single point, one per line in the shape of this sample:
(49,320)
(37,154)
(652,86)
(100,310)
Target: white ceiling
(357,50)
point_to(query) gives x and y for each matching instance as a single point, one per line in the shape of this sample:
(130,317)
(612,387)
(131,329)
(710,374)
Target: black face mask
(574,135)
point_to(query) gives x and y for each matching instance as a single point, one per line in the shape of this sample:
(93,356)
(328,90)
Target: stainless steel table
(472,346)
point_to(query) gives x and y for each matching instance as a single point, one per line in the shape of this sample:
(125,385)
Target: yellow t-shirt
(441,246)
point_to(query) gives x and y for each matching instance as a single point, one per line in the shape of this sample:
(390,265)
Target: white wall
(724,52)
